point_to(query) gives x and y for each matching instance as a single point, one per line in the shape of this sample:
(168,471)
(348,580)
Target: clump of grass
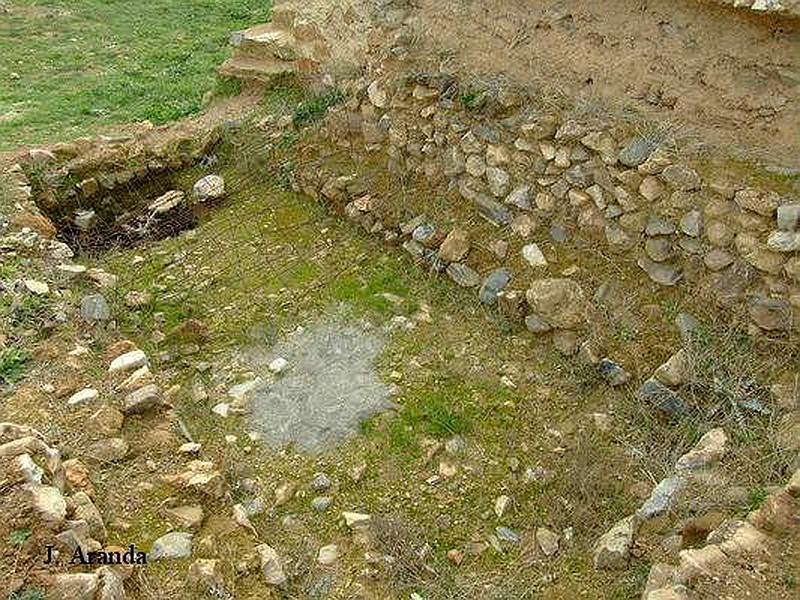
(313,109)
(12,364)
(27,594)
(473,99)
(433,412)
(755,499)
(19,536)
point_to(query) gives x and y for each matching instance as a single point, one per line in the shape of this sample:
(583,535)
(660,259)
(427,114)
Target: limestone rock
(189,516)
(209,188)
(455,246)
(84,509)
(128,361)
(271,565)
(662,273)
(612,551)
(74,586)
(662,497)
(613,373)
(354,520)
(49,504)
(560,302)
(327,555)
(676,371)
(636,151)
(491,210)
(142,400)
(681,177)
(784,241)
(547,541)
(708,450)
(94,308)
(83,396)
(109,450)
(771,314)
(662,399)
(763,203)
(171,546)
(494,283)
(463,275)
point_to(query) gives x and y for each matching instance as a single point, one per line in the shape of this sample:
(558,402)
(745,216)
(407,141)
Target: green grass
(313,109)
(19,536)
(12,364)
(27,594)
(71,67)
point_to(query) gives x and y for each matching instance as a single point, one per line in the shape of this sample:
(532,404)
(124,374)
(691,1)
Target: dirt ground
(716,76)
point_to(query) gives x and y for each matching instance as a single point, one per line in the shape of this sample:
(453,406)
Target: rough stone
(658,225)
(94,308)
(676,370)
(691,223)
(681,177)
(717,259)
(109,450)
(613,373)
(662,399)
(533,255)
(74,586)
(771,314)
(83,396)
(662,497)
(455,246)
(520,197)
(789,217)
(463,275)
(209,188)
(491,210)
(171,546)
(560,302)
(499,181)
(49,504)
(327,555)
(612,551)
(535,324)
(708,450)
(763,203)
(636,151)
(547,541)
(784,241)
(128,361)
(661,273)
(494,283)
(142,400)
(658,249)
(651,188)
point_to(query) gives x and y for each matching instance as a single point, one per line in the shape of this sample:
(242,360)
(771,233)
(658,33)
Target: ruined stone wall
(788,7)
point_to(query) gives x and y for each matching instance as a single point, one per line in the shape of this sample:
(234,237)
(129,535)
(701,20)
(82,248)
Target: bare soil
(720,77)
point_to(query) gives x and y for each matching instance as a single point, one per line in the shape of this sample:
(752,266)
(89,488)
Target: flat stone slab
(327,389)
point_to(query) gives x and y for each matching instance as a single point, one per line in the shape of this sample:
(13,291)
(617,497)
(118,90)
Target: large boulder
(560,302)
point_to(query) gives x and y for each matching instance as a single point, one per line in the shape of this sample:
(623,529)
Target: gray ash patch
(329,387)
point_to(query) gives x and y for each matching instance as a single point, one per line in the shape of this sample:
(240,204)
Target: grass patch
(81,65)
(27,594)
(313,109)
(432,411)
(12,364)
